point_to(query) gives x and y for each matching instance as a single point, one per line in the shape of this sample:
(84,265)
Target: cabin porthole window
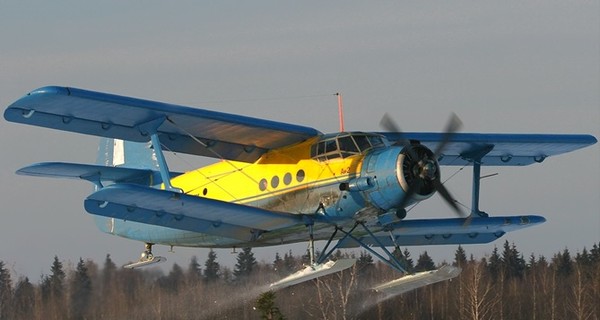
(275,182)
(287,178)
(262,185)
(300,175)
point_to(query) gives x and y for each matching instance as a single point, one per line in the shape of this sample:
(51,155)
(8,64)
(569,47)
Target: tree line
(503,285)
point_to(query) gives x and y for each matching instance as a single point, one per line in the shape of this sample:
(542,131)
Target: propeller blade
(390,125)
(454,124)
(447,197)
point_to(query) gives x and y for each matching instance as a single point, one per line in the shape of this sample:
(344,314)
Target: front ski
(417,280)
(145,263)
(313,272)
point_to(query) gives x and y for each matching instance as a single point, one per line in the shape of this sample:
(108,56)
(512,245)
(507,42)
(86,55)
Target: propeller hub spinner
(427,169)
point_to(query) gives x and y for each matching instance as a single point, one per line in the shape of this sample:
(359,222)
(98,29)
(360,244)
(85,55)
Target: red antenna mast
(340,110)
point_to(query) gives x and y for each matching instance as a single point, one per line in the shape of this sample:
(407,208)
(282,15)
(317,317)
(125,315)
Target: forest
(503,285)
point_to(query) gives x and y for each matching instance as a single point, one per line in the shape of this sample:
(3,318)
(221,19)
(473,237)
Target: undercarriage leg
(311,244)
(147,254)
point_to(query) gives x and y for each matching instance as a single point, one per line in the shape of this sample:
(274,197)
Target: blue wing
(448,231)
(229,220)
(220,135)
(492,149)
(183,212)
(92,173)
(188,130)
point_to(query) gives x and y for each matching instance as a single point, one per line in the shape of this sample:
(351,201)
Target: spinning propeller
(420,163)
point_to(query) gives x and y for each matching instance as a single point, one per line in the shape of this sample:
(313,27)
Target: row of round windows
(287,179)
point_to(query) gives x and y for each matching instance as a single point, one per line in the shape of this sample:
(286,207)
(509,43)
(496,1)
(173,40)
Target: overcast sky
(506,66)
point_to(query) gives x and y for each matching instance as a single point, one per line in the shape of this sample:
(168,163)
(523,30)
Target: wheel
(401,214)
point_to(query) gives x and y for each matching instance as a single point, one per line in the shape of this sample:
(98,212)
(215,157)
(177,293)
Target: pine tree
(265,304)
(424,263)
(404,258)
(81,291)
(5,292)
(279,265)
(495,264)
(53,285)
(174,280)
(460,257)
(289,262)
(245,263)
(513,262)
(57,277)
(194,271)
(583,259)
(24,299)
(365,263)
(563,263)
(53,292)
(211,267)
(108,274)
(595,253)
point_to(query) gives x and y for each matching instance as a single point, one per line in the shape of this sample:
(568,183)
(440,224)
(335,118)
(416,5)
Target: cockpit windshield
(344,145)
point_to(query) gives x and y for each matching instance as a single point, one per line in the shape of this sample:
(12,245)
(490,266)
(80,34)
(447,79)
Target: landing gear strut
(147,254)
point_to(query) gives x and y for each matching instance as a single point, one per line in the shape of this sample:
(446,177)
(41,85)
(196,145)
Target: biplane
(277,183)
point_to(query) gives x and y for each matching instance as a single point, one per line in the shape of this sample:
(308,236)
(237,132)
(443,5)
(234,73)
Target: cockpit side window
(362,142)
(347,145)
(331,145)
(344,145)
(321,149)
(331,149)
(376,141)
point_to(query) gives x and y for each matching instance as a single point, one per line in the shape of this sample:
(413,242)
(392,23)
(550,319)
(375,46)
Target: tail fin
(128,154)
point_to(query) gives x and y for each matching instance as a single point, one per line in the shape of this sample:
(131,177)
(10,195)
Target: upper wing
(492,149)
(188,130)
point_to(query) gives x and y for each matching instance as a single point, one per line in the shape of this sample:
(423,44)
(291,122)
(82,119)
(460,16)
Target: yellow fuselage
(281,180)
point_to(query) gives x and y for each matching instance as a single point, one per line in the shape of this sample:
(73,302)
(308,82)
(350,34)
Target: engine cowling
(395,170)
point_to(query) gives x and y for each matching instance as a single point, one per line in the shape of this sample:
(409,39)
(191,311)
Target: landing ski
(145,263)
(417,280)
(313,272)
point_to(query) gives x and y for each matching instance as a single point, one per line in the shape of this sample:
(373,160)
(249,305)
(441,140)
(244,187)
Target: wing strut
(391,261)
(476,156)
(151,128)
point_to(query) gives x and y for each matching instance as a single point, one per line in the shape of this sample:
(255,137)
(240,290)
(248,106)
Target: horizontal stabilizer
(313,272)
(89,172)
(417,280)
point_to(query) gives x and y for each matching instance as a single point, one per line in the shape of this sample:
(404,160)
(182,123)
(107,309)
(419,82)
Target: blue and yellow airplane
(276,183)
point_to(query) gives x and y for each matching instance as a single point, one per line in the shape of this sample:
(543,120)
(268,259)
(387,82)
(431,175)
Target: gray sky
(509,66)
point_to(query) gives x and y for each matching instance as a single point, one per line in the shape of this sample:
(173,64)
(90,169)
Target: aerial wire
(265,99)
